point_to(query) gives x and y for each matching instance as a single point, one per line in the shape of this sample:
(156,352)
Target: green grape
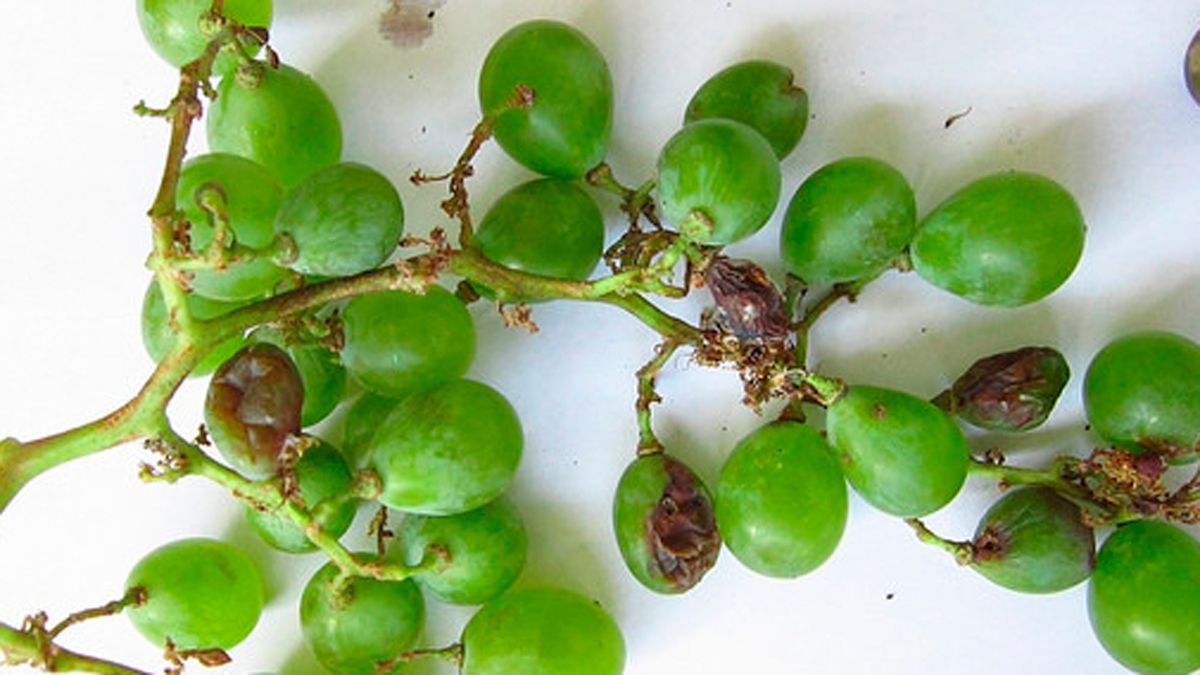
(542,631)
(549,226)
(564,130)
(159,339)
(251,196)
(321,473)
(370,621)
(781,500)
(321,373)
(664,522)
(1005,239)
(172,27)
(360,424)
(447,451)
(902,454)
(1034,541)
(1140,393)
(286,123)
(718,181)
(200,594)
(848,220)
(1144,599)
(486,550)
(344,219)
(398,342)
(252,409)
(760,94)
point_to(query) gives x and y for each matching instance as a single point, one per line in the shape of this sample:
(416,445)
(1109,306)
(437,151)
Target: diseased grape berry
(343,219)
(1144,599)
(447,451)
(663,519)
(286,123)
(748,305)
(1140,393)
(320,474)
(760,94)
(848,220)
(1010,391)
(320,370)
(399,342)
(1006,239)
(781,500)
(199,594)
(253,408)
(551,92)
(367,621)
(484,551)
(542,631)
(1033,540)
(902,454)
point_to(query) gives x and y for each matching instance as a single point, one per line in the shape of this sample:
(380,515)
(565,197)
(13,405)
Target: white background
(1089,92)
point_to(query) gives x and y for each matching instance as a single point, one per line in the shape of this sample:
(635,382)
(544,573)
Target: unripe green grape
(399,342)
(321,373)
(847,220)
(252,409)
(542,631)
(781,500)
(902,454)
(343,219)
(759,94)
(372,621)
(550,227)
(718,181)
(1006,239)
(251,197)
(564,130)
(664,523)
(1141,393)
(321,473)
(362,420)
(200,594)
(486,548)
(1034,541)
(172,27)
(159,339)
(286,123)
(1144,598)
(447,451)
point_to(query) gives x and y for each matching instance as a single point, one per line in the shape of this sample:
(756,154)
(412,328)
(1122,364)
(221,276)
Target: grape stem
(963,551)
(648,443)
(848,290)
(34,644)
(452,653)
(636,203)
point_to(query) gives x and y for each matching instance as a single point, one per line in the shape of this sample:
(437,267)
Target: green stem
(647,442)
(452,653)
(23,648)
(1052,477)
(849,290)
(962,551)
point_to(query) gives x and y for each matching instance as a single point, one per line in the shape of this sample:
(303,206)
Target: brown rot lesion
(681,530)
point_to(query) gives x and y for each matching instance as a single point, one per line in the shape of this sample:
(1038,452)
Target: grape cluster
(274,214)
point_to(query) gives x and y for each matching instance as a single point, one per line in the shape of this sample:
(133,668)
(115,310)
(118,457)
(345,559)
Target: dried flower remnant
(408,23)
(748,303)
(681,530)
(1011,391)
